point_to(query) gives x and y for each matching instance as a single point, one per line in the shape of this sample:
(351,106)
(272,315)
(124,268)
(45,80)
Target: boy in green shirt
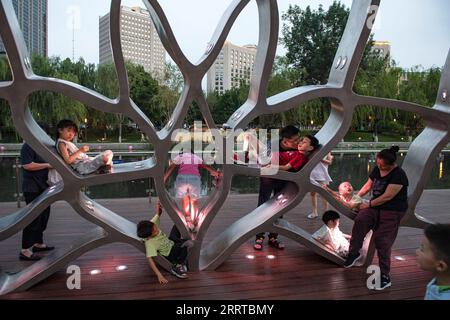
(156,242)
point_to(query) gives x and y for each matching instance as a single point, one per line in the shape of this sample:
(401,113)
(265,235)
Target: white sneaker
(312,216)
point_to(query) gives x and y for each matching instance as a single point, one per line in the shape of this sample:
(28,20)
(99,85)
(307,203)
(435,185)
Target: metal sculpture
(114,228)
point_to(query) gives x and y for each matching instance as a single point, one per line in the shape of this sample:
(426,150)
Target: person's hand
(158,208)
(84,148)
(161,279)
(49,166)
(364,205)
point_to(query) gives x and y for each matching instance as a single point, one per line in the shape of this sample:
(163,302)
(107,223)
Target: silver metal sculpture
(114,228)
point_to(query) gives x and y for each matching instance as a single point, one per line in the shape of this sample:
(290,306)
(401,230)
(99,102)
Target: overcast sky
(418,30)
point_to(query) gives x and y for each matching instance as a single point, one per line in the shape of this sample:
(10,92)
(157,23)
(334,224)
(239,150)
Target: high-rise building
(381,48)
(140,41)
(33,21)
(233,65)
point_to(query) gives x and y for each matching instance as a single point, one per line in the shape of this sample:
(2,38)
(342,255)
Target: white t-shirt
(72,148)
(335,236)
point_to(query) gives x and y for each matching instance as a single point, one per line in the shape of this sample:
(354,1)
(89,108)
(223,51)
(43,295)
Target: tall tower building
(140,41)
(33,21)
(233,65)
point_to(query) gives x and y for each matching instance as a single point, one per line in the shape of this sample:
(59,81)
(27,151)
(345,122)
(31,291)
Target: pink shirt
(188,163)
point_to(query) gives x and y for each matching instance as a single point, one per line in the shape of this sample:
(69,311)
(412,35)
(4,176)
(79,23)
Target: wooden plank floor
(295,273)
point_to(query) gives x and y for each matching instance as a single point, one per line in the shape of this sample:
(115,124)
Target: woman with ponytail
(383,213)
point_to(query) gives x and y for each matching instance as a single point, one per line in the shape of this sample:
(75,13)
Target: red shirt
(295,158)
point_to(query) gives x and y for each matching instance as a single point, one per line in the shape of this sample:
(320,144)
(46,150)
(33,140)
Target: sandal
(276,244)
(258,244)
(40,249)
(33,257)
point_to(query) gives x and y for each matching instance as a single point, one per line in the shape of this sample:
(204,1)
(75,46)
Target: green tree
(224,105)
(311,38)
(173,79)
(5,112)
(144,91)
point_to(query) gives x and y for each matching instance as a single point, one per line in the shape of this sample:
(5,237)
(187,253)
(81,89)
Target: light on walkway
(121,268)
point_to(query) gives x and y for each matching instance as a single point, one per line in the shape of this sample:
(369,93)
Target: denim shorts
(188,184)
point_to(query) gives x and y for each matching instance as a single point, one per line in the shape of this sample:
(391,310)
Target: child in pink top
(188,164)
(188,183)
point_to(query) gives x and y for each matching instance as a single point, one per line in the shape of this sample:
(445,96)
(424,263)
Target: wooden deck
(295,273)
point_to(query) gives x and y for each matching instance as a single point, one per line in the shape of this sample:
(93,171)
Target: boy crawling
(173,248)
(331,236)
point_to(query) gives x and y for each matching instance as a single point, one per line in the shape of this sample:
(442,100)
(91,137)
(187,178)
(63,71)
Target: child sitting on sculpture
(346,195)
(77,157)
(173,248)
(331,236)
(434,255)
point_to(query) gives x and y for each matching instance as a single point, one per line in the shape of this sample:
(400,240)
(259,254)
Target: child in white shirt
(77,157)
(331,236)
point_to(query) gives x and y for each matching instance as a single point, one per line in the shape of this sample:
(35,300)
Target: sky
(418,30)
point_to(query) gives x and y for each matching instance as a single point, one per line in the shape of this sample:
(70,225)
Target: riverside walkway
(296,273)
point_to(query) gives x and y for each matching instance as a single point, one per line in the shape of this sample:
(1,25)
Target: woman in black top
(34,183)
(383,213)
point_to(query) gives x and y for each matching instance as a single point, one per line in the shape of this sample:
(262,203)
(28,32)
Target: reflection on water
(346,167)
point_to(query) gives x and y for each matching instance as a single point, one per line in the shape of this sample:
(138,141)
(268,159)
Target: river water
(346,167)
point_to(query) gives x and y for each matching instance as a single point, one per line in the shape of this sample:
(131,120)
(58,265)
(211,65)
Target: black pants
(385,225)
(266,187)
(34,232)
(178,254)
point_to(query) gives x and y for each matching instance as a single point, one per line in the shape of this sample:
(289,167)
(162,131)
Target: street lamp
(85,129)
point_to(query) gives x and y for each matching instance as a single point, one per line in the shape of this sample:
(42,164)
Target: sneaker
(258,244)
(275,243)
(184,268)
(351,260)
(385,283)
(312,216)
(177,272)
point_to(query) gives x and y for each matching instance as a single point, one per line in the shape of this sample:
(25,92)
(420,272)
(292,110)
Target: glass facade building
(33,20)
